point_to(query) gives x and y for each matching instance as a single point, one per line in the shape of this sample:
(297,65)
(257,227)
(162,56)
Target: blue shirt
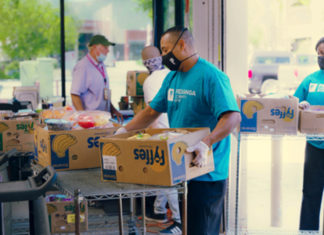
(197,98)
(312,90)
(88,83)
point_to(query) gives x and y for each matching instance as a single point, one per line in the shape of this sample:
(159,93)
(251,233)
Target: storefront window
(30,46)
(128,23)
(283,33)
(30,42)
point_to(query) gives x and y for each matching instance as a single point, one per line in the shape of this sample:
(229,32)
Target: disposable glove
(201,149)
(120,130)
(304,105)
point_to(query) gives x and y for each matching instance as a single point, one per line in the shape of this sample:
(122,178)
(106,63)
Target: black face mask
(320,60)
(169,60)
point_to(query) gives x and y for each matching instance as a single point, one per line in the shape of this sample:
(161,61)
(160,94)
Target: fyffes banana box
(73,149)
(268,115)
(152,157)
(134,83)
(18,134)
(312,120)
(62,216)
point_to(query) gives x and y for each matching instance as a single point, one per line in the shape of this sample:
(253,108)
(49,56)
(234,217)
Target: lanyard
(100,69)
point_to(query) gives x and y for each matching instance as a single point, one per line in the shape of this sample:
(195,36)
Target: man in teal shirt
(196,94)
(311,92)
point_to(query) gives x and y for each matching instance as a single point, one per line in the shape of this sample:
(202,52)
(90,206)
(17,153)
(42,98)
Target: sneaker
(174,229)
(159,218)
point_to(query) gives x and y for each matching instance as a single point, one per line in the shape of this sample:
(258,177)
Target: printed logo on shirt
(170,94)
(312,87)
(320,88)
(185,92)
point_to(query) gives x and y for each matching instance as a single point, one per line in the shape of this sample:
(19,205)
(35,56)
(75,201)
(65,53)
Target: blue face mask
(101,57)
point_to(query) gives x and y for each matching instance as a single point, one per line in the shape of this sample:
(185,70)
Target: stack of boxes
(134,89)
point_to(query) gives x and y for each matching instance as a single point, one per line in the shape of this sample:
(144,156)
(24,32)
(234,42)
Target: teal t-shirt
(312,90)
(197,98)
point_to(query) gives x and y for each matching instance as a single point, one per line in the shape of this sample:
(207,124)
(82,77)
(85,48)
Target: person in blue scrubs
(196,94)
(311,92)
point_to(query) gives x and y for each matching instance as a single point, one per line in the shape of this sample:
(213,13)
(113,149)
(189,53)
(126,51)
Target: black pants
(205,207)
(312,188)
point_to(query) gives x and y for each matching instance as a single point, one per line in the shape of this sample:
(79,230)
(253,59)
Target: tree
(31,29)
(146,6)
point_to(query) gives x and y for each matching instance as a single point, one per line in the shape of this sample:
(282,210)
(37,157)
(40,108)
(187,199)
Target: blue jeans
(312,188)
(205,207)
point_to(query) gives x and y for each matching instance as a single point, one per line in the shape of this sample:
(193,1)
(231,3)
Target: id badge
(107,94)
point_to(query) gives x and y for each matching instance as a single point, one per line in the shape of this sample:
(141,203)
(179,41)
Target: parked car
(291,75)
(264,67)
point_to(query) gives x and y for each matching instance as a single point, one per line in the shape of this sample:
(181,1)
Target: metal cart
(32,190)
(87,184)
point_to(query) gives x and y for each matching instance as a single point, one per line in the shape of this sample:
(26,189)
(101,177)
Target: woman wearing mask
(311,92)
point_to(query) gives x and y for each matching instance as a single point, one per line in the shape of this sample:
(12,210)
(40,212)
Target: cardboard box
(18,134)
(135,80)
(269,115)
(152,162)
(67,150)
(62,216)
(312,120)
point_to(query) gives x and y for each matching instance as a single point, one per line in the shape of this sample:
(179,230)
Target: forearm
(143,119)
(77,102)
(228,122)
(112,107)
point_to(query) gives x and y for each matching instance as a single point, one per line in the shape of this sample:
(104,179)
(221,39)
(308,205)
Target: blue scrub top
(197,98)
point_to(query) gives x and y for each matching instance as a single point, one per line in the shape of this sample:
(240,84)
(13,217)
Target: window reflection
(130,34)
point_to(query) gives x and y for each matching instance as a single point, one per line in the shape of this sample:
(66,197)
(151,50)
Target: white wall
(206,31)
(236,64)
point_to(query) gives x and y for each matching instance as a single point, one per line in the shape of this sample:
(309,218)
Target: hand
(201,149)
(304,105)
(120,130)
(119,116)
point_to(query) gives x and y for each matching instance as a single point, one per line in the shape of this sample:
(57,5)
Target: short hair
(319,43)
(149,52)
(176,31)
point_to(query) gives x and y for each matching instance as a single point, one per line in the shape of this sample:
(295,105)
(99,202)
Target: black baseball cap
(100,39)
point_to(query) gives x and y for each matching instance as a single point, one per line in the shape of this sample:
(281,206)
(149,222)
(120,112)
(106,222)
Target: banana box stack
(135,80)
(61,216)
(18,134)
(67,150)
(312,120)
(268,115)
(159,161)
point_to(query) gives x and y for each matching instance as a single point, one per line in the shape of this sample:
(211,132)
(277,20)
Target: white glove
(201,149)
(120,130)
(304,105)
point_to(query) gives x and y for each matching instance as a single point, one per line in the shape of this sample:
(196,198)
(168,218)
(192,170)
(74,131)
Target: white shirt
(151,86)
